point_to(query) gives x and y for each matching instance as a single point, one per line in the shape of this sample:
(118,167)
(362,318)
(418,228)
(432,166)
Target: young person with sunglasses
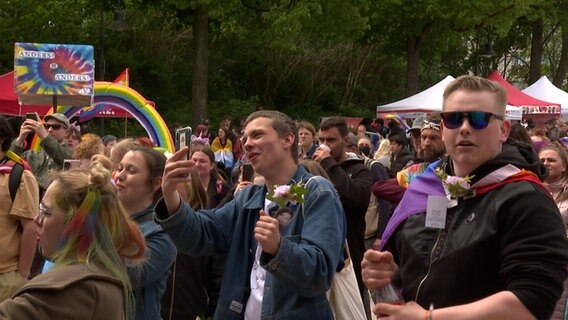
(498,249)
(52,131)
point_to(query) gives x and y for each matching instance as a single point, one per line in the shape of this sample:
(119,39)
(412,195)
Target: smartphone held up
(32,115)
(247,173)
(183,139)
(69,164)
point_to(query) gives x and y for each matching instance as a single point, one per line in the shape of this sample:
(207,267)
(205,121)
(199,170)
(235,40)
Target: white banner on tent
(513,113)
(544,89)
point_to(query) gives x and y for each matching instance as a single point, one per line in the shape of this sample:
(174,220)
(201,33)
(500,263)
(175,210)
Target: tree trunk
(412,63)
(560,74)
(537,46)
(200,66)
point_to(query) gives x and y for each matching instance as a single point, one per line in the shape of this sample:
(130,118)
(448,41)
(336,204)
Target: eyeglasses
(43,211)
(476,119)
(55,126)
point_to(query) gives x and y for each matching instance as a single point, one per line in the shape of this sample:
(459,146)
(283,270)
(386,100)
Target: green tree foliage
(309,58)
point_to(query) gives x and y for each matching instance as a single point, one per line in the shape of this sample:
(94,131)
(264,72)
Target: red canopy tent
(529,104)
(9,104)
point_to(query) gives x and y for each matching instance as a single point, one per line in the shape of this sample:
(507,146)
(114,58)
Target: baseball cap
(60,117)
(353,139)
(417,124)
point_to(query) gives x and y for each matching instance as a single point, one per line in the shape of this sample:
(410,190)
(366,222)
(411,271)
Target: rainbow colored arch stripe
(130,100)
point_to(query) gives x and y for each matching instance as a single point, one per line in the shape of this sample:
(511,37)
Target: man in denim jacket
(274,269)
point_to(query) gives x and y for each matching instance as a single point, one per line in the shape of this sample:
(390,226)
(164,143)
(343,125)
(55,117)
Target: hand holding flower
(267,233)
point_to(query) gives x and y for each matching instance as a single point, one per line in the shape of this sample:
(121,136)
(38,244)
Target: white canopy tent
(431,100)
(543,89)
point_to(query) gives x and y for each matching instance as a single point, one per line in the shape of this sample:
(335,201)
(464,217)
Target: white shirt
(257,279)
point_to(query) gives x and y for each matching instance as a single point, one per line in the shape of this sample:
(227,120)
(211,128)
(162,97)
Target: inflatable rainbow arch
(126,98)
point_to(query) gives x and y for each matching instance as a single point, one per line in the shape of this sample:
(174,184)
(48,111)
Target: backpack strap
(15,178)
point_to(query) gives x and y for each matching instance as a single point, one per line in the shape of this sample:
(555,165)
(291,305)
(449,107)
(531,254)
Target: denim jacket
(301,272)
(149,278)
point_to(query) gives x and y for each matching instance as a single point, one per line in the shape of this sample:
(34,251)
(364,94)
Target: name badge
(436,212)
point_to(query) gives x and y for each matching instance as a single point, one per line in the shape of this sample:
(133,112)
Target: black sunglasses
(477,119)
(55,126)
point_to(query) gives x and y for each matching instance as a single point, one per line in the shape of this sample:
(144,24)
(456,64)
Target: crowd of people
(465,215)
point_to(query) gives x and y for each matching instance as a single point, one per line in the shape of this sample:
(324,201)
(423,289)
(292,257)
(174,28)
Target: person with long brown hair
(137,180)
(556,161)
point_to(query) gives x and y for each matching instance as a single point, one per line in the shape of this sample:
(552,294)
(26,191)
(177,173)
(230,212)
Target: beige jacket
(67,292)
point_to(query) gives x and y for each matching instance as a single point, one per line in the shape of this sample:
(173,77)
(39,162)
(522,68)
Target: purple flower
(453,180)
(464,184)
(281,191)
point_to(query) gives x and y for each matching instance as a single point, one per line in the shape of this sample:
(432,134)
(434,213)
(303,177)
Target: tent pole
(54,103)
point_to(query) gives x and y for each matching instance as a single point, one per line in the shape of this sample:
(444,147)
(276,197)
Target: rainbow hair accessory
(81,228)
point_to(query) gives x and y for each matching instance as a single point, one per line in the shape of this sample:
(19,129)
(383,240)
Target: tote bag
(343,296)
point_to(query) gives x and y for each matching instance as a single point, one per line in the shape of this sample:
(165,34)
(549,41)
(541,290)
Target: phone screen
(183,139)
(248,172)
(32,115)
(71,164)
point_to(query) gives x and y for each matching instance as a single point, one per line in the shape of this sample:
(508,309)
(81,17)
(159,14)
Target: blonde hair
(383,149)
(98,231)
(478,84)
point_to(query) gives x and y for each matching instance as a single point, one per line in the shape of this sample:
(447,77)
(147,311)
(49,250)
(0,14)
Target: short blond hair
(478,84)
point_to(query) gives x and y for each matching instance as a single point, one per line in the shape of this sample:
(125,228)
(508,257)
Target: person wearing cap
(393,190)
(52,131)
(415,136)
(431,149)
(352,147)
